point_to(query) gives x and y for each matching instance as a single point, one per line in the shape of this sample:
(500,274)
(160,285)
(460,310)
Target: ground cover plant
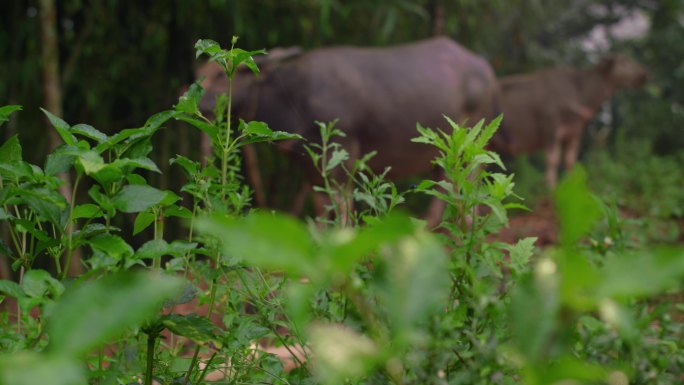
(366,295)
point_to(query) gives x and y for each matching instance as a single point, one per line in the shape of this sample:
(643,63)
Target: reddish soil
(540,223)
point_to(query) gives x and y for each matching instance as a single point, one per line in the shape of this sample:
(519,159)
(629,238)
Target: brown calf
(549,109)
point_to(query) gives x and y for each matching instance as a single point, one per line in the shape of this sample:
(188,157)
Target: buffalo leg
(553,156)
(571,151)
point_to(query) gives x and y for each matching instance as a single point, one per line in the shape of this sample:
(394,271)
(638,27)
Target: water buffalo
(549,109)
(378,95)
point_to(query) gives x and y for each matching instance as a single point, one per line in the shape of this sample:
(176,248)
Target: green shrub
(368,295)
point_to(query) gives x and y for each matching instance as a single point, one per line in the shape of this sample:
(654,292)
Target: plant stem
(21,281)
(151,340)
(70,228)
(204,371)
(158,234)
(193,362)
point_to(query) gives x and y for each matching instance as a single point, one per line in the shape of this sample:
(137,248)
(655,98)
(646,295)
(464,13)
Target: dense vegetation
(115,273)
(369,296)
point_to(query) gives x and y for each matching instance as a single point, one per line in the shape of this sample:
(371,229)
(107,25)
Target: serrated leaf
(338,156)
(142,221)
(192,326)
(57,163)
(341,352)
(137,198)
(10,150)
(255,128)
(48,204)
(25,367)
(202,125)
(520,253)
(6,111)
(107,174)
(62,128)
(577,209)
(89,132)
(169,198)
(90,161)
(177,211)
(155,121)
(190,99)
(271,241)
(153,249)
(11,288)
(144,163)
(112,245)
(642,273)
(87,210)
(188,165)
(37,283)
(90,314)
(180,248)
(136,179)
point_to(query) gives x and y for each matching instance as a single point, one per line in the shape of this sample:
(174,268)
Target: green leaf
(202,125)
(6,111)
(11,288)
(346,248)
(640,274)
(188,165)
(177,211)
(180,248)
(89,132)
(87,210)
(16,170)
(534,307)
(90,161)
(93,313)
(341,352)
(58,162)
(137,198)
(107,174)
(25,368)
(206,46)
(136,179)
(143,221)
(48,204)
(338,156)
(567,369)
(112,245)
(169,199)
(416,284)
(579,279)
(144,163)
(188,102)
(62,128)
(260,132)
(255,128)
(153,249)
(192,326)
(576,207)
(10,150)
(271,241)
(520,254)
(38,283)
(155,121)
(119,137)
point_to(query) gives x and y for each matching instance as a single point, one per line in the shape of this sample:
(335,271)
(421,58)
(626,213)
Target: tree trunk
(53,95)
(438,17)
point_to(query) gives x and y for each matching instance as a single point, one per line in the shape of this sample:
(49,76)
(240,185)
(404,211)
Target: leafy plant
(365,295)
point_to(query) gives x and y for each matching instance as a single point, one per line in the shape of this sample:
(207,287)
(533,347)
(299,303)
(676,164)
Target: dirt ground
(540,223)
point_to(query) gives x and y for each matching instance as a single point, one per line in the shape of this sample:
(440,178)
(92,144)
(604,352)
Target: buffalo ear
(276,55)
